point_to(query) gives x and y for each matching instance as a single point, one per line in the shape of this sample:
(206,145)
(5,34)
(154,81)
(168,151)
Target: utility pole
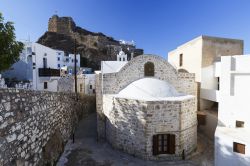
(75,70)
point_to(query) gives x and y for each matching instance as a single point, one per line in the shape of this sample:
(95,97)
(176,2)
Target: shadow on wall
(125,131)
(225,155)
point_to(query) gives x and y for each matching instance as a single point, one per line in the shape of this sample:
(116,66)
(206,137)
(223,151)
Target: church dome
(148,89)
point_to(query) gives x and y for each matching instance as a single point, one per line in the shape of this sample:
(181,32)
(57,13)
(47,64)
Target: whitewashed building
(232,136)
(201,56)
(42,66)
(122,56)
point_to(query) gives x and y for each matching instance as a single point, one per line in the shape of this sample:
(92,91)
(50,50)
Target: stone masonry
(129,124)
(35,125)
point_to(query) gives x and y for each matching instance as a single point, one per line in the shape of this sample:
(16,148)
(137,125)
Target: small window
(120,59)
(59,53)
(45,85)
(81,87)
(149,69)
(76,60)
(58,58)
(239,148)
(58,65)
(123,59)
(72,60)
(94,91)
(239,123)
(163,144)
(90,86)
(181,60)
(34,64)
(45,54)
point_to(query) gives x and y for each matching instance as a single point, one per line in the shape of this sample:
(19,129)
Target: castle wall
(64,25)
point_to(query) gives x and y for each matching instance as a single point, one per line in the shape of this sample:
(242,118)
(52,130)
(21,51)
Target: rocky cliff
(93,47)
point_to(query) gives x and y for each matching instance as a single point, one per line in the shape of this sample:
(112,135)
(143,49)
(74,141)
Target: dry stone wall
(35,125)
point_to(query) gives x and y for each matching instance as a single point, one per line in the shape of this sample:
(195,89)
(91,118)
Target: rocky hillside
(93,47)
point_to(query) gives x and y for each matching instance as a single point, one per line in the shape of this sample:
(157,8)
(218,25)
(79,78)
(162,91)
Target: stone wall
(35,125)
(131,124)
(112,83)
(134,70)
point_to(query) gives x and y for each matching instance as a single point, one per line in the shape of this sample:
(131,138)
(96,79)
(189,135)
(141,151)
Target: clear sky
(157,26)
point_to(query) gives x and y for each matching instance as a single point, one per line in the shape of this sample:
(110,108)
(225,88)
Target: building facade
(232,143)
(202,56)
(42,66)
(146,108)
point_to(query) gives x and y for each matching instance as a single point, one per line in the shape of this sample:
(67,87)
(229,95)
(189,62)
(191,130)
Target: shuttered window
(239,148)
(239,123)
(163,144)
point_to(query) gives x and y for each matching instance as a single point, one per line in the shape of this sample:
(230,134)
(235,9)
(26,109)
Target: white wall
(192,57)
(224,155)
(234,105)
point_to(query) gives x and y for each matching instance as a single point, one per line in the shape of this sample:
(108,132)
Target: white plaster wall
(224,155)
(234,105)
(235,91)
(192,57)
(52,85)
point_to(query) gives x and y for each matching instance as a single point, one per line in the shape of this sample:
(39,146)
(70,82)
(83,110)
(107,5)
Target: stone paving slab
(86,151)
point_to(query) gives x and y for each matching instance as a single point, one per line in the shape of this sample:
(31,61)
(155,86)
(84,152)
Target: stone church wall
(131,124)
(35,125)
(134,70)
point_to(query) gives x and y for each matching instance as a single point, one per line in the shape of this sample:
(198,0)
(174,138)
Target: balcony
(48,72)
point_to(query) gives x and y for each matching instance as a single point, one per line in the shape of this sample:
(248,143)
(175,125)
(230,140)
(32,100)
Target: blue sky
(157,26)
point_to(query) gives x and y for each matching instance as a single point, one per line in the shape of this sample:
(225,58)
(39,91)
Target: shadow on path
(86,151)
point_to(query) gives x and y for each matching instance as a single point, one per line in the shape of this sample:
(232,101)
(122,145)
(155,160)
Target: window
(67,59)
(181,60)
(94,91)
(163,144)
(45,85)
(239,123)
(123,59)
(90,86)
(59,53)
(45,54)
(239,148)
(218,83)
(58,58)
(44,62)
(72,60)
(149,69)
(76,60)
(81,87)
(58,65)
(120,59)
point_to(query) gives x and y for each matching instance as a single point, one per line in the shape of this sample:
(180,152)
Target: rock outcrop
(93,47)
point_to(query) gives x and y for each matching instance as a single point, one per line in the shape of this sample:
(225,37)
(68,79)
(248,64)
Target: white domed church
(146,108)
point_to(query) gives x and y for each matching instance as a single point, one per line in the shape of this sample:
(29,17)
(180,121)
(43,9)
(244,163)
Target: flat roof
(112,66)
(206,37)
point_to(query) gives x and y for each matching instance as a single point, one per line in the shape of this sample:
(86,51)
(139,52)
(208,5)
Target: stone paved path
(86,151)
